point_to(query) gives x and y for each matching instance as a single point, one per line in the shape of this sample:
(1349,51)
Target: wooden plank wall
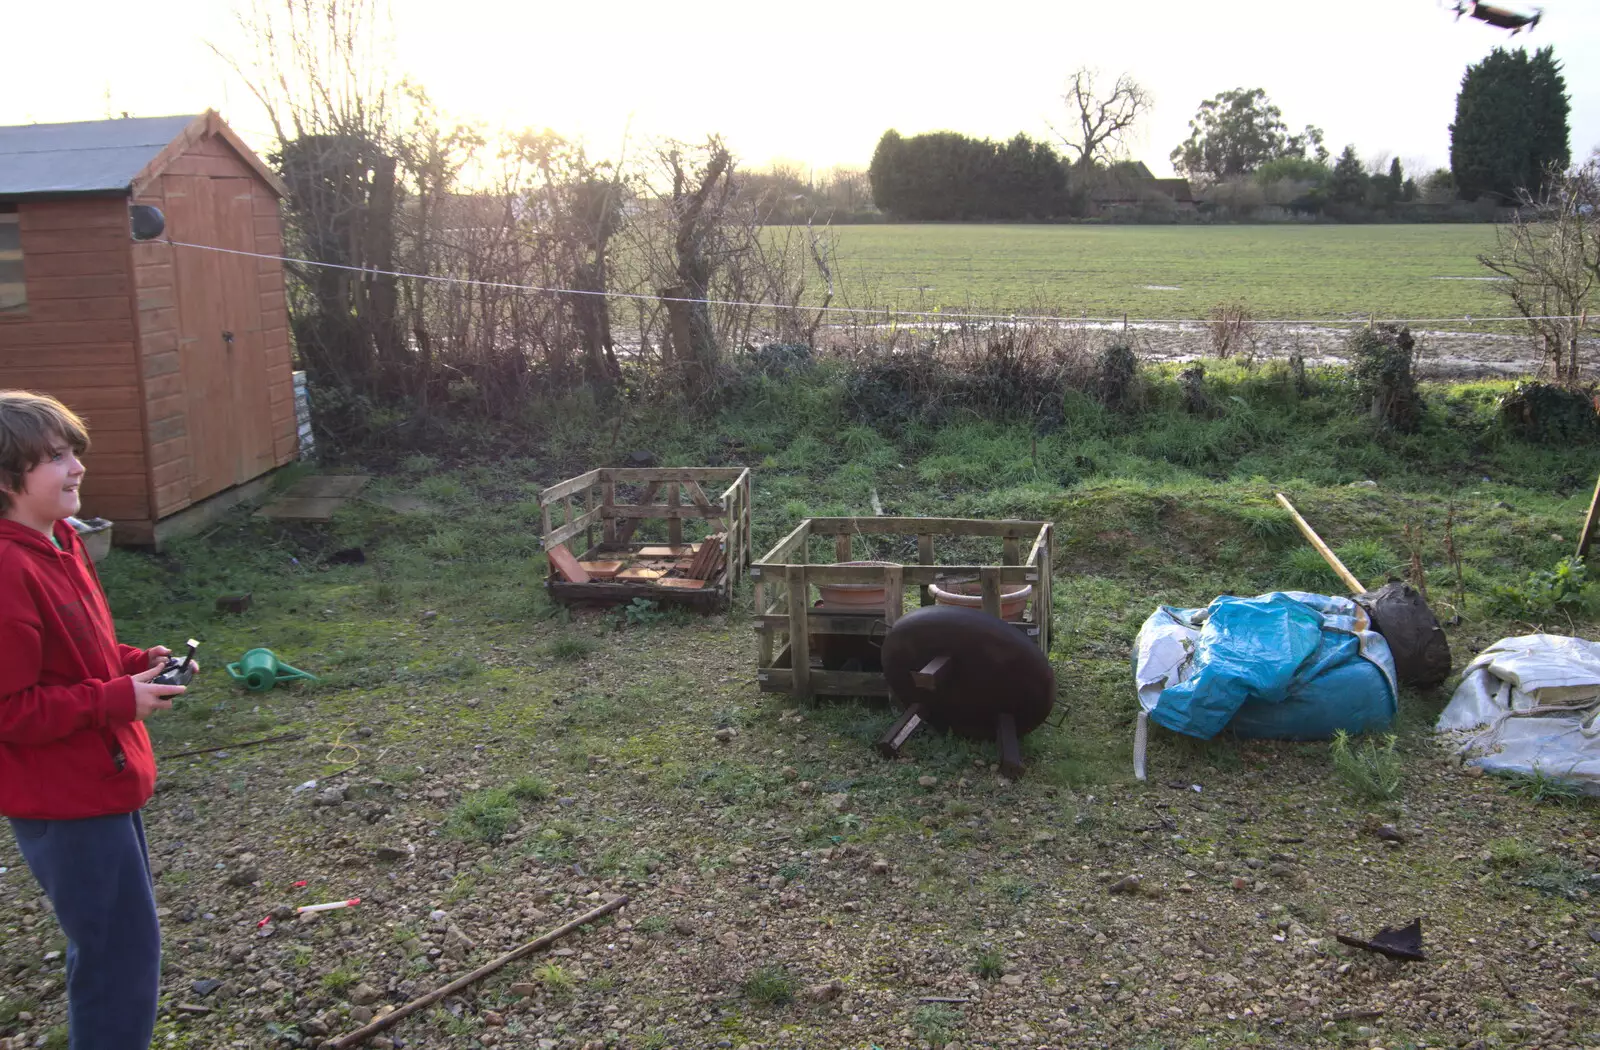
(187,297)
(76,340)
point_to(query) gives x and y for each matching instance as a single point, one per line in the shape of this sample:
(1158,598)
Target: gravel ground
(921,903)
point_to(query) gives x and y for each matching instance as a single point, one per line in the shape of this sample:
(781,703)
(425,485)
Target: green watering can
(260,670)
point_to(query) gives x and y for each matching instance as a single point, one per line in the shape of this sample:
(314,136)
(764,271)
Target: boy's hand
(149,697)
(158,655)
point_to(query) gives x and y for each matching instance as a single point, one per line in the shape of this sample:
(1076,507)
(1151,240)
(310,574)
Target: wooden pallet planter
(590,510)
(792,625)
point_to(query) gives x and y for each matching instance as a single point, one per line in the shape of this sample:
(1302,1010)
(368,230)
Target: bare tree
(319,70)
(1100,119)
(1549,257)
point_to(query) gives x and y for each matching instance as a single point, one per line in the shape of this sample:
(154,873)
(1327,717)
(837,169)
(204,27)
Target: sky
(817,84)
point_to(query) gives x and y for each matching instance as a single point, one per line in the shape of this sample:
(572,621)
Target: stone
(726,734)
(390,853)
(244,870)
(1012,980)
(454,938)
(824,993)
(791,773)
(493,1019)
(361,1014)
(331,796)
(839,803)
(880,867)
(429,615)
(928,782)
(364,994)
(1128,884)
(205,986)
(523,989)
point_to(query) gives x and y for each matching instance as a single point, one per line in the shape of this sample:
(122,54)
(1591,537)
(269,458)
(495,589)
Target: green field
(1315,272)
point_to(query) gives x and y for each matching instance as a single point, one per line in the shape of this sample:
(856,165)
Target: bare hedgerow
(1232,330)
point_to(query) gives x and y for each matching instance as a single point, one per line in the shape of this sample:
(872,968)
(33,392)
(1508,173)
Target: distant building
(1129,187)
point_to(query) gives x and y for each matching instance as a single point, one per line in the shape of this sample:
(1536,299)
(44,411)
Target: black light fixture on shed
(146,222)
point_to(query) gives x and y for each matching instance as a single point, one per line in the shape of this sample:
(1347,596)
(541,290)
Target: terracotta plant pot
(858,595)
(970,596)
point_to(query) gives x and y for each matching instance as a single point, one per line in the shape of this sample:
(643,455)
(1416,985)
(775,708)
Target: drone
(1499,17)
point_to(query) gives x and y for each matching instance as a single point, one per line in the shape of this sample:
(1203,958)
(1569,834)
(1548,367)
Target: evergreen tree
(1510,130)
(1349,185)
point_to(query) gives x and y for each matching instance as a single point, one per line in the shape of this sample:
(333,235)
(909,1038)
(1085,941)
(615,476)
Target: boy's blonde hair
(30,427)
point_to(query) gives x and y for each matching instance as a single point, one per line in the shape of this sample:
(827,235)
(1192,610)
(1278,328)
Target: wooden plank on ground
(289,508)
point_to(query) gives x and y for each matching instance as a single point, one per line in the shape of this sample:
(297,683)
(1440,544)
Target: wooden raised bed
(578,508)
(793,625)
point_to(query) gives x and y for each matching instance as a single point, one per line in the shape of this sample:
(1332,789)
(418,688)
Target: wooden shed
(178,357)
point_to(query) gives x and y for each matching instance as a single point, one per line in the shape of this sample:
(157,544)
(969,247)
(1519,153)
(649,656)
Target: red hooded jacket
(70,746)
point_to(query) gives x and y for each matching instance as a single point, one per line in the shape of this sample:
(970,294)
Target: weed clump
(1382,363)
(571,648)
(1116,376)
(1543,788)
(529,788)
(935,1023)
(1232,329)
(990,965)
(483,816)
(1563,589)
(1371,771)
(770,985)
(1549,414)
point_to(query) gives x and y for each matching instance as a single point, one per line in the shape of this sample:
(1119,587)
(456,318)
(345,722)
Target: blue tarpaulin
(1286,665)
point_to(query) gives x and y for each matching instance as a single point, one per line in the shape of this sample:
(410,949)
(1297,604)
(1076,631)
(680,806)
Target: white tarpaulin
(1531,703)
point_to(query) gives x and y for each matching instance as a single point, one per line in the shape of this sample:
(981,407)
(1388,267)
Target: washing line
(935,315)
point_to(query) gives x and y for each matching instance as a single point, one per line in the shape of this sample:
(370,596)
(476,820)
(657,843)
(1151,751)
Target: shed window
(13,289)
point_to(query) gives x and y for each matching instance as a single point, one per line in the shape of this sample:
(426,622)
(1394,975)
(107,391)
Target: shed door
(220,344)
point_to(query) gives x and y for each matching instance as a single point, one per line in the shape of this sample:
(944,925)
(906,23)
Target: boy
(75,763)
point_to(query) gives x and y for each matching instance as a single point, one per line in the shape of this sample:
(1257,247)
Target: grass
(483,816)
(529,788)
(572,648)
(1372,771)
(341,979)
(769,985)
(989,964)
(1141,519)
(1543,787)
(935,1023)
(1106,271)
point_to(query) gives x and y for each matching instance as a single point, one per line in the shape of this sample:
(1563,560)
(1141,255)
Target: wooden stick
(281,738)
(361,1035)
(1322,548)
(1589,521)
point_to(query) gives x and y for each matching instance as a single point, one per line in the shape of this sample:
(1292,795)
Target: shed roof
(107,156)
(93,156)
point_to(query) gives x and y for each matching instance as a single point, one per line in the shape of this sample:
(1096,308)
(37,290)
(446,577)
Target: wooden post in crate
(925,557)
(608,503)
(799,636)
(674,521)
(989,581)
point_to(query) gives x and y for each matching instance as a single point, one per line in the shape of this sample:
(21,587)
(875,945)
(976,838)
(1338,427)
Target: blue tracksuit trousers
(96,873)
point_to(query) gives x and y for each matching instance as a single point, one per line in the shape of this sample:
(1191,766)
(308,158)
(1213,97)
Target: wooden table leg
(890,743)
(1010,750)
